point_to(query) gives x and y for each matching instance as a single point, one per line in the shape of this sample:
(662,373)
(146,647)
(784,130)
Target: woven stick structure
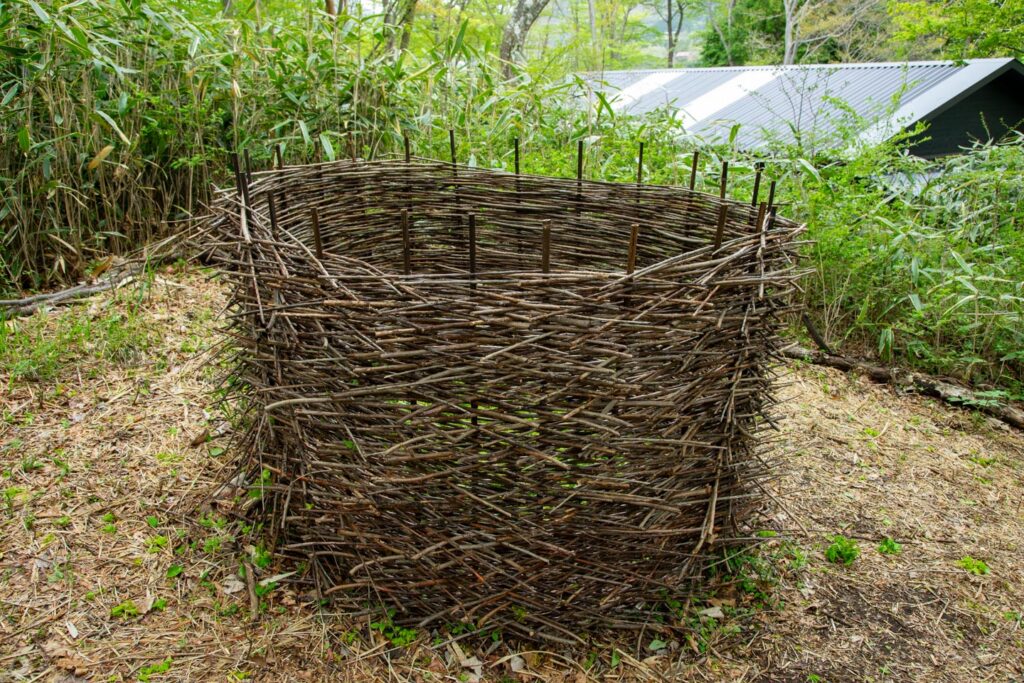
(528,403)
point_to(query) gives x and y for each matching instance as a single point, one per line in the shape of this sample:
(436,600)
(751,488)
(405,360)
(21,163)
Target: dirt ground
(115,565)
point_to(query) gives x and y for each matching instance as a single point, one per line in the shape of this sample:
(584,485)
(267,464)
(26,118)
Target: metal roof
(810,101)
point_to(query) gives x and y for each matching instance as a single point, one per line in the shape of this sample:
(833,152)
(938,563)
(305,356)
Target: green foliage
(146,673)
(38,348)
(889,547)
(399,636)
(742,32)
(125,610)
(960,28)
(973,566)
(843,550)
(926,263)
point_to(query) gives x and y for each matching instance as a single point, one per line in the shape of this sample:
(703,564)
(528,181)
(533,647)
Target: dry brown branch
(947,391)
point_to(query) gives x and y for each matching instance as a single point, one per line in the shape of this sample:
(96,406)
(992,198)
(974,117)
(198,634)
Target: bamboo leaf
(325,142)
(40,12)
(113,124)
(100,156)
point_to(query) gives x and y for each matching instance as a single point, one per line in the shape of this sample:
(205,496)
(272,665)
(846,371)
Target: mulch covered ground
(122,556)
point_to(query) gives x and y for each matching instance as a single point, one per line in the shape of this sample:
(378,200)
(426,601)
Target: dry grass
(101,408)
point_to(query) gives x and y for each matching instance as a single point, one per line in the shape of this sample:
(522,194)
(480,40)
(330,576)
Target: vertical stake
(472,251)
(634,233)
(273,214)
(545,247)
(248,165)
(451,146)
(762,209)
(693,170)
(758,168)
(640,166)
(771,196)
(725,179)
(519,227)
(352,146)
(406,255)
(474,420)
(579,160)
(317,243)
(579,178)
(408,149)
(723,212)
(279,154)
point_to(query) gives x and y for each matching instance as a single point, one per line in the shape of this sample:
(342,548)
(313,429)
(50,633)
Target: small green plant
(843,550)
(62,521)
(126,610)
(888,546)
(147,672)
(261,557)
(399,636)
(30,464)
(152,521)
(174,571)
(973,566)
(160,604)
(156,544)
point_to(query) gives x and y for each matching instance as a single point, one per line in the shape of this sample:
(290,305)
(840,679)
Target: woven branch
(444,427)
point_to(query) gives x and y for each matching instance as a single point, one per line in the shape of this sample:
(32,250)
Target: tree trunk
(594,42)
(402,14)
(331,8)
(671,34)
(793,10)
(524,15)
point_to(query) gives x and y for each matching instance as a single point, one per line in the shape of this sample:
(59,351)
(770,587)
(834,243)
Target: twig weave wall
(528,403)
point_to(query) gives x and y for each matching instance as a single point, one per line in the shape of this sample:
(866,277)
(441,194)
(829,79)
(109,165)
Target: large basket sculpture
(528,403)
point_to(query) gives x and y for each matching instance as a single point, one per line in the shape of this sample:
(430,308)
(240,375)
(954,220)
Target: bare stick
(725,179)
(634,233)
(693,170)
(406,255)
(314,216)
(723,212)
(545,248)
(759,167)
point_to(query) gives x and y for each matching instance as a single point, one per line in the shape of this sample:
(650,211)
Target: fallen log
(948,392)
(124,272)
(31,304)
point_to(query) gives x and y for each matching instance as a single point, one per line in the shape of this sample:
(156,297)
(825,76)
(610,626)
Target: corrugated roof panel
(813,99)
(688,86)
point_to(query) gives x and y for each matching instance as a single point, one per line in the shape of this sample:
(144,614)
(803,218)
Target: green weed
(842,550)
(973,566)
(889,547)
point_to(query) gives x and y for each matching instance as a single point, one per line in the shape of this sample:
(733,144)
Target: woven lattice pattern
(524,402)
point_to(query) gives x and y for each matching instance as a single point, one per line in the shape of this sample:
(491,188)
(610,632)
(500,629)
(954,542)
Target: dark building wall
(988,113)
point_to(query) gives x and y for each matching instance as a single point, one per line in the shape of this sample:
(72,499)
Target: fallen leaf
(231,585)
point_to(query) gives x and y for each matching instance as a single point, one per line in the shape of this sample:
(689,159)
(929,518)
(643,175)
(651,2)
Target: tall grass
(116,113)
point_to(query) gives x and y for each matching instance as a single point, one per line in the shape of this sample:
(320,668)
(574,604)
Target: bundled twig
(528,403)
